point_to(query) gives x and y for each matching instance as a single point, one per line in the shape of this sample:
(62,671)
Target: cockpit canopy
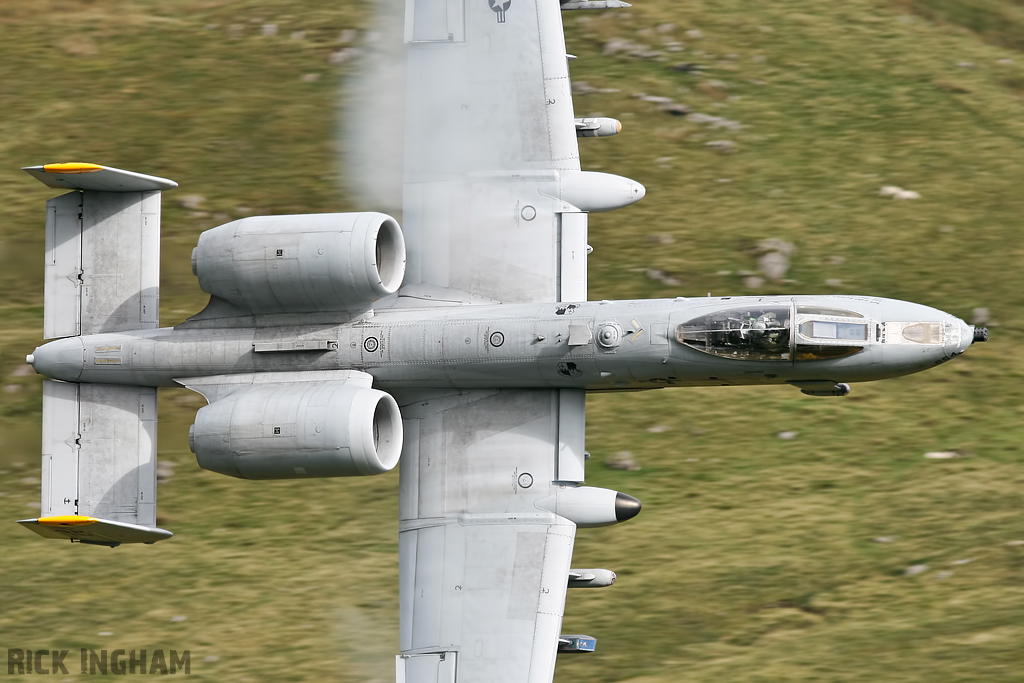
(765,333)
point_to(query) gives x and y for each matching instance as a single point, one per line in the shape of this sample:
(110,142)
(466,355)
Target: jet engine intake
(302,263)
(299,430)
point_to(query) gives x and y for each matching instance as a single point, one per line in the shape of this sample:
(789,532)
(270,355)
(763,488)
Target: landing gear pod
(589,506)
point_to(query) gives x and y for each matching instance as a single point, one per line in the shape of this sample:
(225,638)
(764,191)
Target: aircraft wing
(490,139)
(484,562)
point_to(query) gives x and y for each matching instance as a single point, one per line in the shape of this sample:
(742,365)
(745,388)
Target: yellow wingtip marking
(67,520)
(72,167)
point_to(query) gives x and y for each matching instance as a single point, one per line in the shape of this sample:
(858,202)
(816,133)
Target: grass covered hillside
(837,553)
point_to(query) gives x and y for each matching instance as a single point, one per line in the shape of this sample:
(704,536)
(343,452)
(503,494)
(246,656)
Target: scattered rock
(1004,62)
(79,46)
(663,277)
(897,192)
(211,27)
(787,436)
(33,504)
(662,239)
(657,429)
(199,214)
(582,88)
(617,45)
(164,469)
(694,33)
(722,146)
(687,67)
(30,480)
(656,99)
(298,35)
(348,35)
(947,229)
(723,273)
(310,78)
(915,569)
(243,210)
(835,260)
(697,431)
(834,282)
(753,282)
(235,30)
(714,121)
(665,28)
(191,201)
(1014,544)
(943,575)
(623,460)
(178,618)
(210,659)
(105,633)
(221,216)
(966,560)
(693,460)
(967,65)
(883,539)
(343,55)
(269,29)
(946,455)
(773,256)
(676,109)
(12,388)
(979,316)
(25,370)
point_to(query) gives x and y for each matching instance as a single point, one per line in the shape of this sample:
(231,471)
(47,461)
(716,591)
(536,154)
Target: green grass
(753,559)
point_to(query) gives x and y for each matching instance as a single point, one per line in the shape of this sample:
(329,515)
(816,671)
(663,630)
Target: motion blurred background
(876,537)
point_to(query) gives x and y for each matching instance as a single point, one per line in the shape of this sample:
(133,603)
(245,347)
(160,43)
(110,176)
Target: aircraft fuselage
(606,345)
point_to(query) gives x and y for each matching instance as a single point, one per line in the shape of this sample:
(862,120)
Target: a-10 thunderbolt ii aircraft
(462,345)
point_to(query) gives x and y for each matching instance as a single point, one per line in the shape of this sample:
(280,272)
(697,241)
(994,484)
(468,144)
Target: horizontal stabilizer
(99,464)
(102,269)
(95,531)
(96,178)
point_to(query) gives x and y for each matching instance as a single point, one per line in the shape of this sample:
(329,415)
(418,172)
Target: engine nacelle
(303,263)
(299,430)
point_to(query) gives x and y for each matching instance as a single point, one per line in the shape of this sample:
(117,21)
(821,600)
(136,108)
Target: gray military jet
(461,345)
